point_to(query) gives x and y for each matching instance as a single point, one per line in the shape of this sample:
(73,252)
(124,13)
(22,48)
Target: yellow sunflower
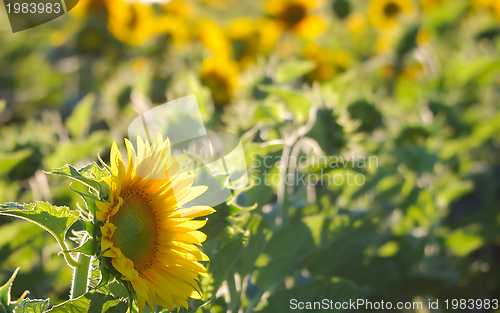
(384,14)
(175,20)
(212,37)
(329,63)
(147,233)
(492,5)
(132,23)
(251,38)
(296,16)
(220,75)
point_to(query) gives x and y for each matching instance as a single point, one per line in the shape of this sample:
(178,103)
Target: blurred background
(414,84)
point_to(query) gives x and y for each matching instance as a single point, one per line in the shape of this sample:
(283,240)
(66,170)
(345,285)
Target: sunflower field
(370,139)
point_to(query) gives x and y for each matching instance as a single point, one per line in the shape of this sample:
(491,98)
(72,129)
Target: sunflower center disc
(135,233)
(293,14)
(391,9)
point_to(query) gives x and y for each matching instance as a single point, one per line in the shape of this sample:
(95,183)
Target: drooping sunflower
(384,14)
(148,235)
(296,16)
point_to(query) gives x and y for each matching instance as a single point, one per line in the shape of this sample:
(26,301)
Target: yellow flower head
(295,15)
(492,5)
(131,23)
(147,233)
(213,37)
(175,21)
(220,75)
(385,13)
(252,38)
(329,63)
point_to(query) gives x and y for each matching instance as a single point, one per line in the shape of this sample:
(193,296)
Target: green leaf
(94,171)
(268,113)
(56,220)
(336,289)
(32,306)
(297,103)
(92,301)
(89,201)
(9,160)
(465,240)
(273,273)
(79,121)
(447,14)
(6,303)
(292,69)
(257,241)
(71,172)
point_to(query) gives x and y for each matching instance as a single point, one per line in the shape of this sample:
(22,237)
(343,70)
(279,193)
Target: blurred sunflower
(384,14)
(411,72)
(220,75)
(175,19)
(131,22)
(252,38)
(493,5)
(148,235)
(329,63)
(295,15)
(212,36)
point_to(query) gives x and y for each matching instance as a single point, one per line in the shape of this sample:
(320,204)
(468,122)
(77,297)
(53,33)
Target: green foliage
(424,113)
(32,306)
(92,301)
(55,220)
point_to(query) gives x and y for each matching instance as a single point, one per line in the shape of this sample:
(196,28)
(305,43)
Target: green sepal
(105,278)
(89,227)
(87,247)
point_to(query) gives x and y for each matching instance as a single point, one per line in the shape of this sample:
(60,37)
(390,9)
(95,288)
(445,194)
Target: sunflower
(251,38)
(132,23)
(492,5)
(329,63)
(295,15)
(384,14)
(212,37)
(147,233)
(220,75)
(175,21)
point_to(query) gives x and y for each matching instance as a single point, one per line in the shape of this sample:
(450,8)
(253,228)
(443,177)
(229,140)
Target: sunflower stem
(80,276)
